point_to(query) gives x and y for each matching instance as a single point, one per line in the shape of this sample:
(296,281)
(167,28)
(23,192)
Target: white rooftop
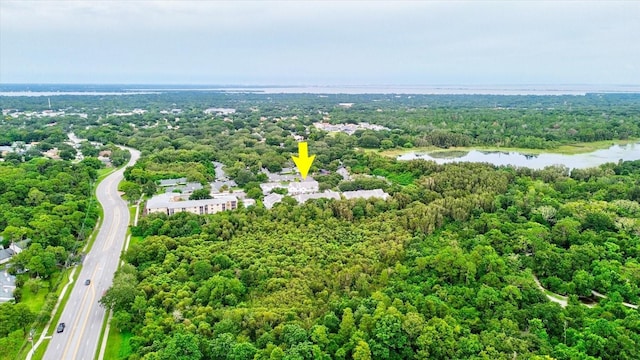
(365,194)
(168,201)
(307,186)
(329,194)
(173,182)
(271,200)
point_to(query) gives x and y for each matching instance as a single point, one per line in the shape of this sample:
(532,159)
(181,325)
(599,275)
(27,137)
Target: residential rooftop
(170,201)
(365,194)
(7,285)
(329,194)
(173,182)
(270,200)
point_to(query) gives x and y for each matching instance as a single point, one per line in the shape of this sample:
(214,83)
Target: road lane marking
(108,233)
(111,201)
(75,320)
(115,223)
(84,324)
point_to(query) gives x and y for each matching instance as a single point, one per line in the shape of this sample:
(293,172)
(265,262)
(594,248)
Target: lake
(537,161)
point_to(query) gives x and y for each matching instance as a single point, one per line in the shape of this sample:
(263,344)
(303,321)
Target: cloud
(319,41)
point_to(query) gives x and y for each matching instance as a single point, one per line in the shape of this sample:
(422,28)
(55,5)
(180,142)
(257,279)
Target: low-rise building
(249,202)
(303,187)
(282,176)
(219,111)
(365,194)
(7,286)
(5,255)
(18,246)
(187,188)
(173,182)
(329,194)
(270,186)
(14,248)
(270,200)
(170,204)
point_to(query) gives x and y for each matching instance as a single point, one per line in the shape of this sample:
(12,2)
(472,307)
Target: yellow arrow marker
(303,160)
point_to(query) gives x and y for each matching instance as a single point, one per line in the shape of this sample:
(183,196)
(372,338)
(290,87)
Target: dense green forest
(442,270)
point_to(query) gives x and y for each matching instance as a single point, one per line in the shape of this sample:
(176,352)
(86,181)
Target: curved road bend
(82,314)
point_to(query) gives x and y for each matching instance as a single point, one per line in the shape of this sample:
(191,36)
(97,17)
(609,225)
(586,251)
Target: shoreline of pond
(567,149)
(601,153)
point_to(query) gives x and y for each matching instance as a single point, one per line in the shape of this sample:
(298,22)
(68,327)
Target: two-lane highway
(82,314)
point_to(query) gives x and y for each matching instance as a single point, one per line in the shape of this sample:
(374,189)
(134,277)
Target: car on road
(87,282)
(60,328)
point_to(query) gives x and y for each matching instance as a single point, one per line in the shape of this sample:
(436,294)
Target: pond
(534,161)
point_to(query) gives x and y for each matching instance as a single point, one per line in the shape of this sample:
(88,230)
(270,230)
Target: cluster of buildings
(348,129)
(171,112)
(177,191)
(20,147)
(219,111)
(14,113)
(175,199)
(130,113)
(308,189)
(170,204)
(272,199)
(7,281)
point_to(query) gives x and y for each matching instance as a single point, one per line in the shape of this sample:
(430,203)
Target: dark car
(87,282)
(60,328)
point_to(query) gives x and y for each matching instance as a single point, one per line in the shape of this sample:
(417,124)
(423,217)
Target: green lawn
(135,240)
(118,346)
(34,301)
(102,173)
(132,213)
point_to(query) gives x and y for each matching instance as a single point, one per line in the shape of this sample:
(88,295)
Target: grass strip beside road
(39,354)
(118,346)
(103,173)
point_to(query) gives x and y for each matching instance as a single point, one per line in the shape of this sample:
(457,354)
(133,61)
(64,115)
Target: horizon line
(319,85)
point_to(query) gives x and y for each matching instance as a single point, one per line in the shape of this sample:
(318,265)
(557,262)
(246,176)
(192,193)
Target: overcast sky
(320,42)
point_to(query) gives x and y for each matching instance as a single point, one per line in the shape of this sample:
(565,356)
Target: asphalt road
(82,314)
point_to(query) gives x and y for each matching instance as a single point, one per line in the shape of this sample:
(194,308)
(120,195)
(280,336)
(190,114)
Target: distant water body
(577,161)
(74,93)
(106,90)
(444,90)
